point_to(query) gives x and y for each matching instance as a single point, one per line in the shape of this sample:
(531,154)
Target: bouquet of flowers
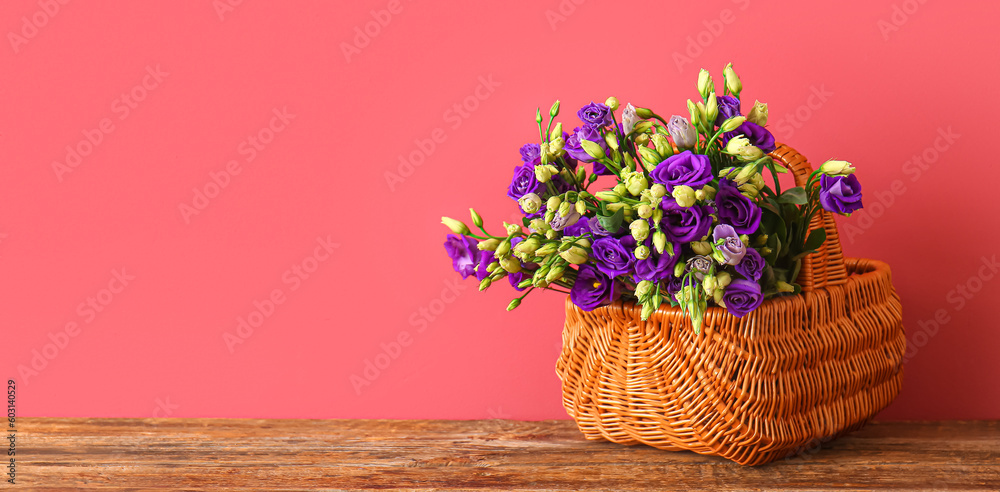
(696,217)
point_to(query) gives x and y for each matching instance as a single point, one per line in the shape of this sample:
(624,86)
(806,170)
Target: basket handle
(825,266)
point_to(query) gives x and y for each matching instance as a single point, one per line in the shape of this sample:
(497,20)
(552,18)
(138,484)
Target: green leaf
(796,196)
(778,167)
(525,221)
(614,222)
(815,240)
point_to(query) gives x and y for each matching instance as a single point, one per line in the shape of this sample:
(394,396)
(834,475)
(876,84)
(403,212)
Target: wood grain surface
(243,454)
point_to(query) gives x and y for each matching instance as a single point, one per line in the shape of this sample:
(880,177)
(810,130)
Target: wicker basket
(752,389)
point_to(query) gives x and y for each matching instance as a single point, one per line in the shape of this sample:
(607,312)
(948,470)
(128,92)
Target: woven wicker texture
(752,389)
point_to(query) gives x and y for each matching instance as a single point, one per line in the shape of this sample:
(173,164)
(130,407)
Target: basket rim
(874,268)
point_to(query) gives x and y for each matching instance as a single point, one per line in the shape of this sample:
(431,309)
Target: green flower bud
(644,113)
(649,155)
(538,224)
(555,273)
(711,108)
(757,181)
(722,279)
(761,240)
(703,114)
(476,218)
(528,246)
(744,238)
(684,195)
(592,149)
(743,150)
(701,247)
(488,244)
(642,127)
(709,192)
(456,226)
(551,234)
(726,172)
(485,284)
(662,145)
(641,140)
(512,229)
(546,249)
(837,168)
(575,255)
(693,111)
(765,251)
(612,140)
(612,102)
(639,230)
(581,174)
(636,182)
(581,207)
(659,241)
(492,266)
(679,268)
(732,80)
(709,283)
(510,264)
(643,289)
(647,311)
(641,252)
(524,283)
(785,287)
(514,304)
(705,85)
(749,190)
(530,203)
(732,123)
(717,297)
(538,116)
(645,211)
(657,215)
(544,172)
(744,175)
(554,110)
(758,114)
(620,189)
(658,190)
(503,249)
(553,202)
(565,208)
(614,207)
(556,132)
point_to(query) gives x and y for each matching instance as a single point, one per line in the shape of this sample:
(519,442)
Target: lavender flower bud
(685,136)
(629,119)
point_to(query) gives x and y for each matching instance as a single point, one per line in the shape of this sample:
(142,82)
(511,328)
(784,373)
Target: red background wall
(173,92)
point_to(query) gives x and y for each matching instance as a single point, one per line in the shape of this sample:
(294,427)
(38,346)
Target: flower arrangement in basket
(709,309)
(691,220)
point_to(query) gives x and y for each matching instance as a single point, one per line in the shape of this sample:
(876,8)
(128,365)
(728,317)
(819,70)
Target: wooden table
(73,454)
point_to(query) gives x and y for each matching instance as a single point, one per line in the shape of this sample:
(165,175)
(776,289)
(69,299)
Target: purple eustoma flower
(530,152)
(741,297)
(752,266)
(585,132)
(592,289)
(685,168)
(685,224)
(611,256)
(657,266)
(524,182)
(485,258)
(758,136)
(729,106)
(595,114)
(462,251)
(735,209)
(840,194)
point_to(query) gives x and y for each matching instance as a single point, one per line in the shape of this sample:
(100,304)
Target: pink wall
(306,238)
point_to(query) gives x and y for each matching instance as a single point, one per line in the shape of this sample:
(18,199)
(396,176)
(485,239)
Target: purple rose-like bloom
(840,194)
(758,136)
(585,132)
(524,182)
(685,224)
(752,266)
(579,228)
(741,297)
(657,266)
(462,251)
(729,106)
(530,152)
(685,168)
(611,257)
(485,258)
(592,289)
(735,209)
(595,114)
(732,248)
(674,285)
